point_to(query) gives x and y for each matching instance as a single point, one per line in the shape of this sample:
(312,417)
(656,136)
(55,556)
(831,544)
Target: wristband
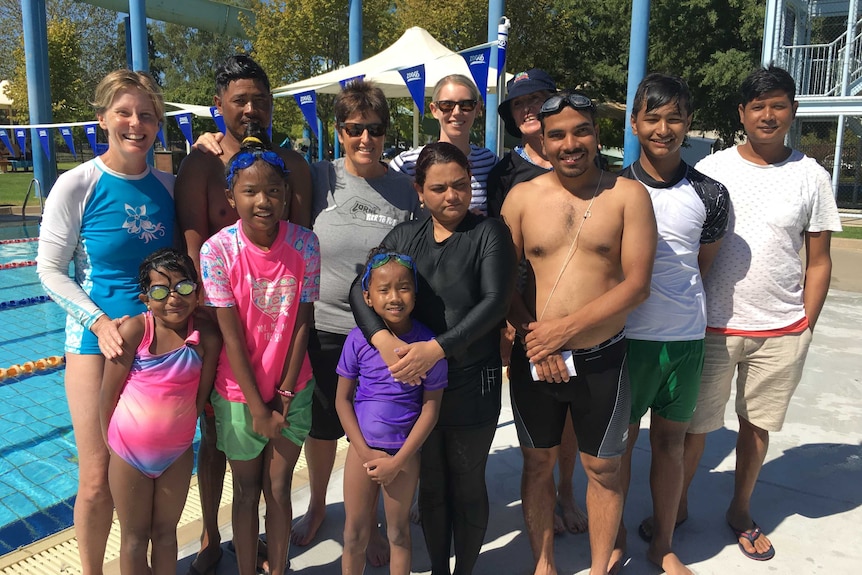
(285,393)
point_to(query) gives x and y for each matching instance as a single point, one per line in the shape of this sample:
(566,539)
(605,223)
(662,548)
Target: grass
(13,185)
(850,232)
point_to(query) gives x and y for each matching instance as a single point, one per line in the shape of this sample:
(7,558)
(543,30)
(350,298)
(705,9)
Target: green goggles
(183,288)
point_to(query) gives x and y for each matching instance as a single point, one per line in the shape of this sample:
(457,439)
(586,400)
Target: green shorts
(235,436)
(665,377)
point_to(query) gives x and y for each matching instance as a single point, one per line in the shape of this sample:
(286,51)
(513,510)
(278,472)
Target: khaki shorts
(767,370)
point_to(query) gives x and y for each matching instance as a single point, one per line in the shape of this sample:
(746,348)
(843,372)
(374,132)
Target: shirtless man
(590,244)
(242,96)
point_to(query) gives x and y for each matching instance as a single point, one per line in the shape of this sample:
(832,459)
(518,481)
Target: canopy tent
(416,46)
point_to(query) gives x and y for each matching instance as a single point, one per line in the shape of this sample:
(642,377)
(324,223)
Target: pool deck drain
(58,554)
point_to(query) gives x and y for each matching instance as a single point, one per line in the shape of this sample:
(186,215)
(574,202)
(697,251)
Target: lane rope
(28,368)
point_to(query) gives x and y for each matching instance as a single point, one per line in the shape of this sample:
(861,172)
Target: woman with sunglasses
(106,216)
(466,265)
(356,201)
(455,103)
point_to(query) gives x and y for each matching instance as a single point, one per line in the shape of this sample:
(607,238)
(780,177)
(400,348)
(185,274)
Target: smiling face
(446,193)
(768,118)
(392,295)
(175,309)
(362,152)
(661,131)
(570,141)
(243,101)
(259,196)
(455,125)
(525,110)
(131,124)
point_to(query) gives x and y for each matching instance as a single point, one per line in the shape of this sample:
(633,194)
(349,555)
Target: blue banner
(185,123)
(502,44)
(21,137)
(66,132)
(4,136)
(161,136)
(307,102)
(414,78)
(346,81)
(45,140)
(478,60)
(90,131)
(219,120)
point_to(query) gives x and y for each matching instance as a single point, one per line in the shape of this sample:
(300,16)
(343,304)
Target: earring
(422,205)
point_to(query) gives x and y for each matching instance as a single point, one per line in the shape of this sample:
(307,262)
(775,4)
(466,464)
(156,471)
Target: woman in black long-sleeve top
(466,267)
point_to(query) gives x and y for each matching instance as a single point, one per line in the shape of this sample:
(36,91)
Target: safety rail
(38,185)
(818,67)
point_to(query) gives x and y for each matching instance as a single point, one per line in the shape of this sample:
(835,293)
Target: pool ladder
(34,183)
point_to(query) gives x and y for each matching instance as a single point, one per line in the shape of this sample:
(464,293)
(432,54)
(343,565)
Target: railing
(37,185)
(818,67)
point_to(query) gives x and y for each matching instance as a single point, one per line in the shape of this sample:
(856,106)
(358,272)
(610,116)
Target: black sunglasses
(161,292)
(556,102)
(355,130)
(447,106)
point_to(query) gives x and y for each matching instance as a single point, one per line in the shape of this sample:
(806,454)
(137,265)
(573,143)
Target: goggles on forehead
(355,130)
(382,259)
(244,160)
(447,106)
(556,103)
(161,292)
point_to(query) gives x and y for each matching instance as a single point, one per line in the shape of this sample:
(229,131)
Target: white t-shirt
(755,282)
(691,209)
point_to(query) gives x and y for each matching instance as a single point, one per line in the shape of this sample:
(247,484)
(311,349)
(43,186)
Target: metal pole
(355,27)
(503,39)
(495,13)
(638,50)
(138,21)
(129,64)
(845,91)
(768,52)
(35,26)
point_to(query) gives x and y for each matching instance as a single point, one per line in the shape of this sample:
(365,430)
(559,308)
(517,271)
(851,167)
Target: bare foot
(618,555)
(262,561)
(306,528)
(206,560)
(415,514)
(668,562)
(377,552)
(559,526)
(645,529)
(574,518)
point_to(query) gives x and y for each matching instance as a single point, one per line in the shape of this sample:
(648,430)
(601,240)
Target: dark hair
(360,97)
(256,143)
(564,95)
(764,80)
(438,153)
(657,90)
(169,259)
(239,67)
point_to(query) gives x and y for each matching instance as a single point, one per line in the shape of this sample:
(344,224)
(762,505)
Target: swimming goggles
(161,293)
(243,160)
(355,130)
(447,106)
(383,259)
(556,103)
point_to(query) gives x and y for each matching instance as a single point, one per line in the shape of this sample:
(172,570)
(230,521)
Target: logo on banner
(185,123)
(306,99)
(307,102)
(478,60)
(414,79)
(219,120)
(413,76)
(45,140)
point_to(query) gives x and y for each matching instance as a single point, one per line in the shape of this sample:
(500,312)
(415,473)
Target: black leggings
(453,497)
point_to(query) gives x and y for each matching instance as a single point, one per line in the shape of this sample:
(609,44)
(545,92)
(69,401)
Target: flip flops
(752,535)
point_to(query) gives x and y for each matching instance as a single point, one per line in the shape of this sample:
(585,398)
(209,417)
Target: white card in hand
(570,365)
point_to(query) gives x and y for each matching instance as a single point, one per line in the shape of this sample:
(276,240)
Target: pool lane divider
(28,368)
(24,302)
(21,264)
(18,241)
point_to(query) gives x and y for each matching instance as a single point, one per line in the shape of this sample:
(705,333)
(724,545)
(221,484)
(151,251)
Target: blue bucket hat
(533,80)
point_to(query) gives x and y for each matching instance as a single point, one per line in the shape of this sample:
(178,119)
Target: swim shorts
(665,377)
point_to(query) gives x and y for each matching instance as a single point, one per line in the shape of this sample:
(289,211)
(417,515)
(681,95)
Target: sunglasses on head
(245,159)
(183,288)
(355,130)
(556,103)
(383,259)
(447,106)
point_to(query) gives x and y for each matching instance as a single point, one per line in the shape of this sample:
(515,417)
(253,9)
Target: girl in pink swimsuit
(151,397)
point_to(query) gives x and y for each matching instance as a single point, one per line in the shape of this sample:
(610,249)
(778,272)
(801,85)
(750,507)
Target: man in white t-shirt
(759,317)
(666,332)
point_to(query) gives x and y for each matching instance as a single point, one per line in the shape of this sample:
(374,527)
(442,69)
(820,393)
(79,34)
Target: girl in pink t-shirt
(262,275)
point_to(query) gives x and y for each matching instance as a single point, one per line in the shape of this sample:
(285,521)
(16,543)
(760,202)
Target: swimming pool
(38,460)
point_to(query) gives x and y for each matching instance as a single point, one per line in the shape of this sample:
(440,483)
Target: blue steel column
(495,12)
(38,88)
(138,20)
(638,50)
(129,63)
(354,56)
(770,27)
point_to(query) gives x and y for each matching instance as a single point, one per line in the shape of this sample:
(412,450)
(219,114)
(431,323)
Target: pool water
(38,460)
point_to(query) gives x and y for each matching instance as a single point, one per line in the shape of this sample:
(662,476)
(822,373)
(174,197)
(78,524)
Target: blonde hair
(460,80)
(120,80)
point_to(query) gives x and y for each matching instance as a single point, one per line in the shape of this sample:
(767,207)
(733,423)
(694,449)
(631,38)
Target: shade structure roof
(416,46)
